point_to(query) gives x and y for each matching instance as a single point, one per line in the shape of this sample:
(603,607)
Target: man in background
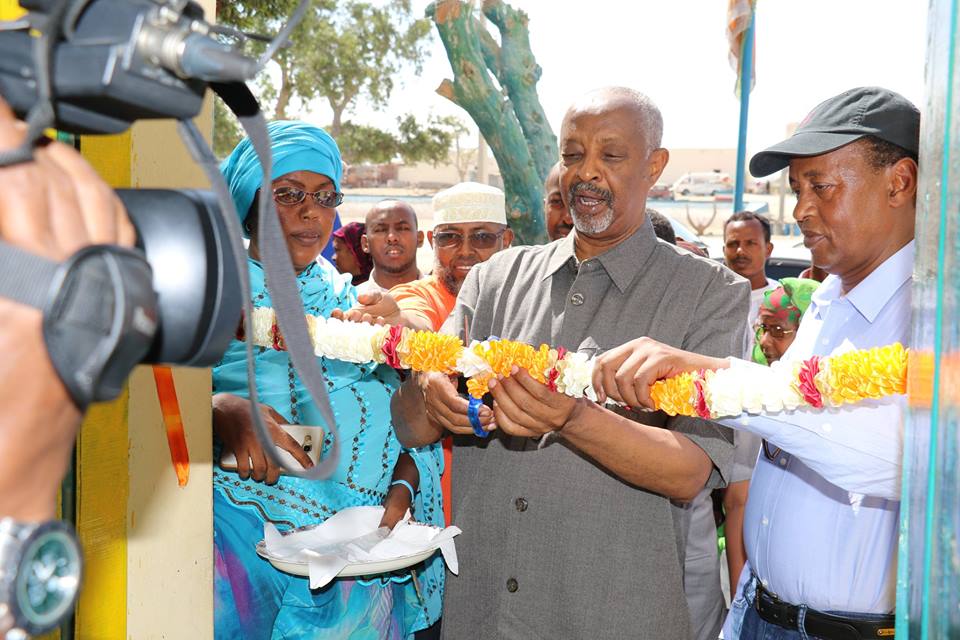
(391,238)
(662,227)
(555,213)
(746,248)
(469,226)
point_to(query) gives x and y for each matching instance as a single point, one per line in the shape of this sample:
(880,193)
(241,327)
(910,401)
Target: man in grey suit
(572,527)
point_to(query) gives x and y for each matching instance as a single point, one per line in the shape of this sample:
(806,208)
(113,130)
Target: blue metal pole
(746,74)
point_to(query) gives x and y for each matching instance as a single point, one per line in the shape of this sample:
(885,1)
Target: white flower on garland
(722,392)
(261,327)
(780,392)
(576,376)
(469,364)
(347,341)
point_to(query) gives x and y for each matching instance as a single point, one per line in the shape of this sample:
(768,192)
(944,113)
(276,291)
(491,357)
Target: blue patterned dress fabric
(252,599)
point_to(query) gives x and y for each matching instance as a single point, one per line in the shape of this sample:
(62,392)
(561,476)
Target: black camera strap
(98,308)
(280,273)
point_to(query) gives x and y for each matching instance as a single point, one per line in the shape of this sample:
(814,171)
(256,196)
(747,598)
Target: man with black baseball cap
(822,515)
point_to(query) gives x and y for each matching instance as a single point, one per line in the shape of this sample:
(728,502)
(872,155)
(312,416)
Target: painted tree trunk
(519,74)
(472,52)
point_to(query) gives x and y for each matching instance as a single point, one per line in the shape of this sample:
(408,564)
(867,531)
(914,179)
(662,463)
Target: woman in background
(780,314)
(349,256)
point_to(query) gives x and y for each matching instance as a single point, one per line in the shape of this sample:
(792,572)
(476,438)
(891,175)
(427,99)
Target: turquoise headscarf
(296,146)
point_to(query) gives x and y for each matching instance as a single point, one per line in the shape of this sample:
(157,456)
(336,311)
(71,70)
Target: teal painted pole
(746,74)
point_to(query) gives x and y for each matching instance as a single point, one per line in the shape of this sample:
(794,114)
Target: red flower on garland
(241,330)
(807,385)
(700,402)
(554,374)
(278,342)
(389,348)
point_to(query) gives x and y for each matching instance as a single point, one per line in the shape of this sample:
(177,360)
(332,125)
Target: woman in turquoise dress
(252,599)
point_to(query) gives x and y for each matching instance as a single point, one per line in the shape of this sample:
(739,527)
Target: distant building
(424,175)
(699,160)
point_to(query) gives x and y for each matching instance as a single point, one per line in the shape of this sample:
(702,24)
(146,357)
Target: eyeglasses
(775,330)
(478,239)
(290,196)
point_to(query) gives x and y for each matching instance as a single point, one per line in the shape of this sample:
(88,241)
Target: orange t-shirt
(428,298)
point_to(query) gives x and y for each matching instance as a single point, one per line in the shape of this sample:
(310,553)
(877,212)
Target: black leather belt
(818,624)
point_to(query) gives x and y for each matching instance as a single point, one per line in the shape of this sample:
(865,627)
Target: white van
(704,183)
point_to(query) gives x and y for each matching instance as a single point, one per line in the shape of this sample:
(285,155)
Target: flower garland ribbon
(785,386)
(173,421)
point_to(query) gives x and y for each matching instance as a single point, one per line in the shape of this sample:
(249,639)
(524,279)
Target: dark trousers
(430,633)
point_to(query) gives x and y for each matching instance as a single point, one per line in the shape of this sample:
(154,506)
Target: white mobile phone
(309,438)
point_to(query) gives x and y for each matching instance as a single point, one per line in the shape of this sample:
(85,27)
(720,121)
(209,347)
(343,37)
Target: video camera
(96,66)
(110,63)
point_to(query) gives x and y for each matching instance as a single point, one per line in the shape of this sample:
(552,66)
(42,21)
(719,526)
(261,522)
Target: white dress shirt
(756,298)
(822,517)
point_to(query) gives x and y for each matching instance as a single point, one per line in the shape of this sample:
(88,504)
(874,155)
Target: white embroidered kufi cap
(469,202)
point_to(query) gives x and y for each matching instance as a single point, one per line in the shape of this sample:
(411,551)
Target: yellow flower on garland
(503,355)
(675,395)
(865,374)
(428,351)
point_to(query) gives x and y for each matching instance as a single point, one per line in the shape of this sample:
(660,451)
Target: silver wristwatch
(40,570)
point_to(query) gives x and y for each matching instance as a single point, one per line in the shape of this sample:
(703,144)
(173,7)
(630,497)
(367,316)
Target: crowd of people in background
(580,519)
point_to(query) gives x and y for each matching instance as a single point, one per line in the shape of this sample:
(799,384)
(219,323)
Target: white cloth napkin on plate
(351,536)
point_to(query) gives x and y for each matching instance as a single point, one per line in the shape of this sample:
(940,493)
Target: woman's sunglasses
(775,330)
(290,196)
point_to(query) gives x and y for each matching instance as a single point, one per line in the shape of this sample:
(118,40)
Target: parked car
(783,267)
(704,183)
(660,192)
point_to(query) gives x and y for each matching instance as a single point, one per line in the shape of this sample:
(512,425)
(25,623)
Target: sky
(675,51)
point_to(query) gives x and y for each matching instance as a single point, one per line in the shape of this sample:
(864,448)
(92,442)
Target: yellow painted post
(102,495)
(158,550)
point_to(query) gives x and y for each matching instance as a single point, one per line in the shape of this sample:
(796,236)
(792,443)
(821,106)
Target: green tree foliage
(227,131)
(414,142)
(430,142)
(360,143)
(342,51)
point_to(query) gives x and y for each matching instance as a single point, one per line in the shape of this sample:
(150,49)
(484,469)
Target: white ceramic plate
(351,570)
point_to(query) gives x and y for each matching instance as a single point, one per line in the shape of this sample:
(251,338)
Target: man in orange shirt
(469,226)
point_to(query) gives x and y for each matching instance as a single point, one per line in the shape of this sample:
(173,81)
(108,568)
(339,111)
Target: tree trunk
(474,91)
(518,71)
(283,96)
(337,123)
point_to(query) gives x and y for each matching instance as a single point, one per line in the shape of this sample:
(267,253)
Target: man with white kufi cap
(469,226)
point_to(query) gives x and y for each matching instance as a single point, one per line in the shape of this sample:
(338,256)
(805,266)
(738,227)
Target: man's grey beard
(595,224)
(592,225)
(449,281)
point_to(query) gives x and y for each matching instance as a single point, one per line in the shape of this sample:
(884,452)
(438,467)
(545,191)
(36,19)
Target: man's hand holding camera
(52,207)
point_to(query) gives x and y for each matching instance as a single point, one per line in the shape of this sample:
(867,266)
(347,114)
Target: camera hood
(194,273)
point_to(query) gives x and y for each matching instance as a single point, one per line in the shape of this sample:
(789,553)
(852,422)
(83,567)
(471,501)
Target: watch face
(48,578)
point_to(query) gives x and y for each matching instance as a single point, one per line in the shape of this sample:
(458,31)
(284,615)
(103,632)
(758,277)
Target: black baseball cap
(864,111)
